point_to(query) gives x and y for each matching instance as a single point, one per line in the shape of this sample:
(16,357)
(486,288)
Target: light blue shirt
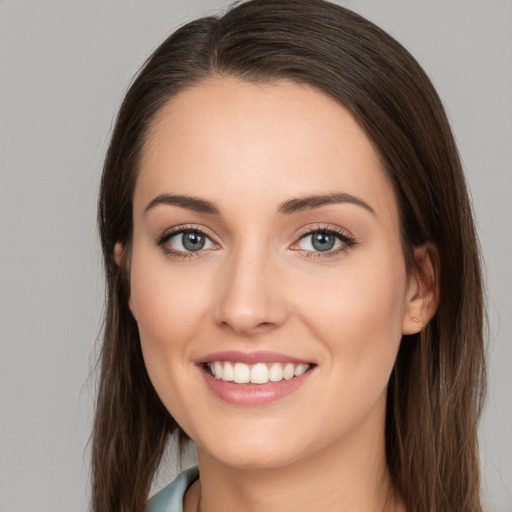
(170,498)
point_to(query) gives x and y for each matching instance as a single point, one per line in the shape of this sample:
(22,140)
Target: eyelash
(347,241)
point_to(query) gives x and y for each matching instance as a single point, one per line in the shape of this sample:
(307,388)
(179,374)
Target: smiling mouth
(259,373)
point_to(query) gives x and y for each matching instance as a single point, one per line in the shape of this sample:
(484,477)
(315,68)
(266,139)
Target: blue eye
(188,242)
(325,240)
(192,241)
(321,241)
(183,242)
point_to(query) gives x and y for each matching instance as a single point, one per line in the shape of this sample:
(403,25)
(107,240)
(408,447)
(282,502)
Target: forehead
(258,144)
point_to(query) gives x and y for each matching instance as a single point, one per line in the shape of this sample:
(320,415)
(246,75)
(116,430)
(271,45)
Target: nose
(250,298)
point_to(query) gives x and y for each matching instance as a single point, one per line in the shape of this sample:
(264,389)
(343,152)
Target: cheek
(358,322)
(163,298)
(168,308)
(357,312)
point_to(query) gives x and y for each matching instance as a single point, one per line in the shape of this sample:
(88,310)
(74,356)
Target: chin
(254,459)
(253,451)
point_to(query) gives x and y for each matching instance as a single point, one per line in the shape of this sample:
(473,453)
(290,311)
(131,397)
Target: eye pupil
(193,241)
(323,241)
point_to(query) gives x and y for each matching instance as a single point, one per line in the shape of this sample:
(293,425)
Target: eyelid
(188,227)
(314,228)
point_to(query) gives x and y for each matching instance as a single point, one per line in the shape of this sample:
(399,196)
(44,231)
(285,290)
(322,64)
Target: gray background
(64,68)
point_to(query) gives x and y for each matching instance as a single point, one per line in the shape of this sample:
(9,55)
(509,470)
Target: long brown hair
(437,386)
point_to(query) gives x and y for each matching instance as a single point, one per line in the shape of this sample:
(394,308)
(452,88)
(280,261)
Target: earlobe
(118,257)
(423,292)
(118,253)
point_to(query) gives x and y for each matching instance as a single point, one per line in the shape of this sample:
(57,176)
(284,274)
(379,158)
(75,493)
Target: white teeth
(259,373)
(276,372)
(241,373)
(301,369)
(217,369)
(227,373)
(289,371)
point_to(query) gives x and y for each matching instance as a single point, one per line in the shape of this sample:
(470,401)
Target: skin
(258,286)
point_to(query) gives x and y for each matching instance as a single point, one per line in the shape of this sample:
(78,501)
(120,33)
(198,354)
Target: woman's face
(266,245)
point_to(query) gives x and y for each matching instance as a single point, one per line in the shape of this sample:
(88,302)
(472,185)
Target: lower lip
(253,394)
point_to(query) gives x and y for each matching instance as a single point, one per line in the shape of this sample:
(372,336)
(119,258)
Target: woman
(293,274)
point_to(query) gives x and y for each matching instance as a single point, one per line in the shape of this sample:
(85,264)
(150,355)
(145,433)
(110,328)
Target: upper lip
(250,357)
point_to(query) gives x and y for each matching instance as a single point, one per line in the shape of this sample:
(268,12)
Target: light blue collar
(170,498)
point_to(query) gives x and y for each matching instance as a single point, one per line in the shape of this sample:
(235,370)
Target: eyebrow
(286,208)
(315,201)
(190,203)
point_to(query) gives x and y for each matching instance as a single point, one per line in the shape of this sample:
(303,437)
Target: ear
(118,253)
(422,296)
(118,258)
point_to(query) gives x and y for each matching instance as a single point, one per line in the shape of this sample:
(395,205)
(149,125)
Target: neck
(350,476)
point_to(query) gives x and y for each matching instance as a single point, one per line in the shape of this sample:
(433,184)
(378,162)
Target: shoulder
(170,498)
